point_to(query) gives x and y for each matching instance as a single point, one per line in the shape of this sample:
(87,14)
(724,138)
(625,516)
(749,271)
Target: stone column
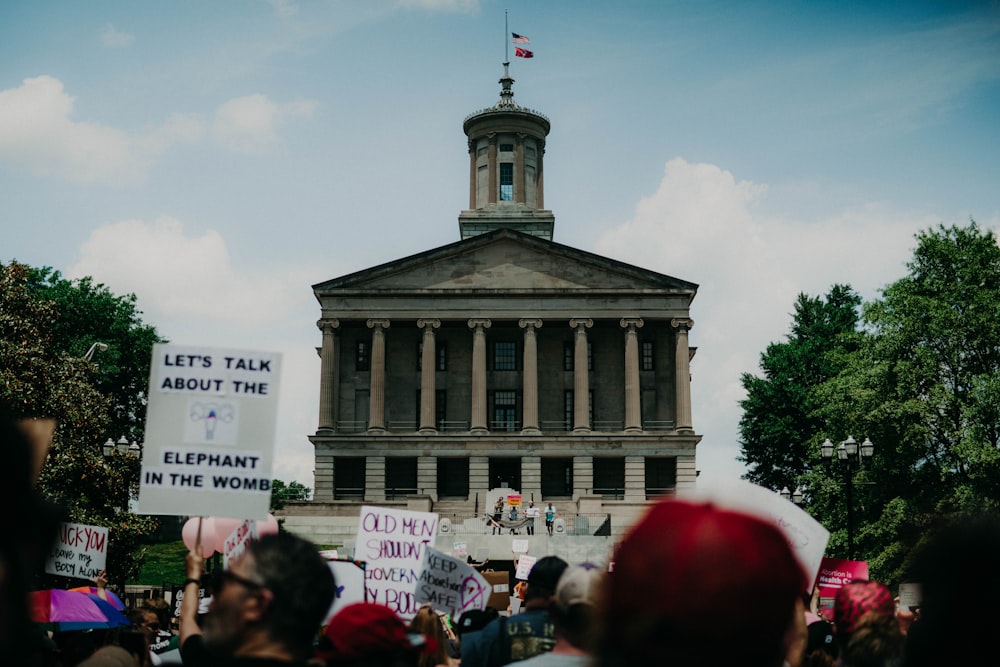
(428,370)
(328,381)
(473,157)
(633,409)
(539,185)
(376,397)
(530,377)
(479,327)
(682,376)
(581,377)
(494,175)
(519,168)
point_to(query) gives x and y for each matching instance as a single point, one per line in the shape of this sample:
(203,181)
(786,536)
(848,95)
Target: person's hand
(195,564)
(101,580)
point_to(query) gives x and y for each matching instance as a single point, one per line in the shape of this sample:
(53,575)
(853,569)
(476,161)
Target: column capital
(381,324)
(679,322)
(429,323)
(480,323)
(325,325)
(532,323)
(631,323)
(491,137)
(578,322)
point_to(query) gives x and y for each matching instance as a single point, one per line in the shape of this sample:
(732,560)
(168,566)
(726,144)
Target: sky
(218,158)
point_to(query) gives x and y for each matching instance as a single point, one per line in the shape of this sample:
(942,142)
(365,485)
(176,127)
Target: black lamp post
(852,457)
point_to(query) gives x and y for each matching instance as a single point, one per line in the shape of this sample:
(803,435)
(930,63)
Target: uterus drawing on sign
(212,422)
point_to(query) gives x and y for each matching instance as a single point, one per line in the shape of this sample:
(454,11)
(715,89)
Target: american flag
(519,39)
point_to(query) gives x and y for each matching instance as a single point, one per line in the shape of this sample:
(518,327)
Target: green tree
(39,378)
(282,493)
(780,412)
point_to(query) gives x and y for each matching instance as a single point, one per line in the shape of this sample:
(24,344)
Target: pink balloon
(223,527)
(268,526)
(189,533)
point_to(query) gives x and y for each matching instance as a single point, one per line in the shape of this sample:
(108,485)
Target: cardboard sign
(524,565)
(499,589)
(833,574)
(80,551)
(178,596)
(450,585)
(236,544)
(514,500)
(350,578)
(392,542)
(210,427)
(910,596)
(806,536)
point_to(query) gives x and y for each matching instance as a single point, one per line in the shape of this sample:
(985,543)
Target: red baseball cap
(368,630)
(858,598)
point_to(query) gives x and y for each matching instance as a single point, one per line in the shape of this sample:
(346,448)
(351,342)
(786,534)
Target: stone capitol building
(501,362)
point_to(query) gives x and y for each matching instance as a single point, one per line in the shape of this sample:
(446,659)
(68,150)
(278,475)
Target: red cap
(858,598)
(366,630)
(690,579)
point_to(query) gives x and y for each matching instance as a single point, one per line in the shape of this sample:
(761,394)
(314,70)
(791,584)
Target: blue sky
(218,158)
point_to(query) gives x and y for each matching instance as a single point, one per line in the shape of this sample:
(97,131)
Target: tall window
(569,356)
(609,477)
(400,477)
(453,477)
(661,475)
(505,356)
(557,477)
(646,356)
(506,181)
(348,477)
(505,472)
(569,409)
(362,356)
(504,411)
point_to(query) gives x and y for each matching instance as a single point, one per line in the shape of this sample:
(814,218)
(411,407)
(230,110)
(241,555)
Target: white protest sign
(450,585)
(519,546)
(80,551)
(806,536)
(524,565)
(392,542)
(350,578)
(210,427)
(236,544)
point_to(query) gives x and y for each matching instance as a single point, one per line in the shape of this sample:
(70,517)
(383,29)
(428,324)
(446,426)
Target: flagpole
(506,45)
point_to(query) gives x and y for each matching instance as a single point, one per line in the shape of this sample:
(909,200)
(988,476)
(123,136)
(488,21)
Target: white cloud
(284,8)
(449,6)
(114,39)
(249,124)
(37,133)
(700,225)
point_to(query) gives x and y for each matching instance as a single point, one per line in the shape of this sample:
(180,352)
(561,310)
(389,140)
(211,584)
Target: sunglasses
(221,578)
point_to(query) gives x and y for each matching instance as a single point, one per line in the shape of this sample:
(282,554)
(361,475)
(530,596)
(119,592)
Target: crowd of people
(691,585)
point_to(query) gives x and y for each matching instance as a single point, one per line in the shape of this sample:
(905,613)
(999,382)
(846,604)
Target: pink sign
(833,574)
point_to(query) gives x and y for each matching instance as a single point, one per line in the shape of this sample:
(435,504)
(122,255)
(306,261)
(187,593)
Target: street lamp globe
(122,445)
(826,449)
(108,447)
(842,452)
(851,445)
(867,448)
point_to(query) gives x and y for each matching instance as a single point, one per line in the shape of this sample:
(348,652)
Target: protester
(523,635)
(573,612)
(111,656)
(365,634)
(428,623)
(550,517)
(513,517)
(497,515)
(866,630)
(696,585)
(531,513)
(960,585)
(266,609)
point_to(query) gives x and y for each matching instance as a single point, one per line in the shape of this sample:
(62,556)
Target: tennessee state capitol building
(503,360)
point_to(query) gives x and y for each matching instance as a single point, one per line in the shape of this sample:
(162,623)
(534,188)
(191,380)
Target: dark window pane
(362,358)
(506,181)
(609,477)
(400,477)
(453,477)
(348,477)
(505,356)
(661,475)
(557,477)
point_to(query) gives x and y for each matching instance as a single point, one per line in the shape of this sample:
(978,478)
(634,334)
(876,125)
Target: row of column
(479,413)
(520,188)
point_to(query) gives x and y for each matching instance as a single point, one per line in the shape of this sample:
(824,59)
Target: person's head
(575,604)
(371,635)
(145,621)
(428,623)
(279,591)
(543,578)
(875,641)
(110,656)
(693,584)
(856,599)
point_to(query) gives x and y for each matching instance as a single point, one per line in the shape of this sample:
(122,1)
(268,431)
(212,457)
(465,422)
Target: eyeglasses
(221,577)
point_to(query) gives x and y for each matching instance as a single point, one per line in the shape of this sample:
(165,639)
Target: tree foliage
(282,493)
(42,374)
(921,378)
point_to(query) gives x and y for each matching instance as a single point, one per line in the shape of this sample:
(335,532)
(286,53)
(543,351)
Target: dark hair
(302,584)
(875,641)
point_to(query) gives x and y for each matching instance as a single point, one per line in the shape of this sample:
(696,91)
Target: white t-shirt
(532,512)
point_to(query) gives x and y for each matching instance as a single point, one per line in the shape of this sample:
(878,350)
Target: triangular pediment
(505,260)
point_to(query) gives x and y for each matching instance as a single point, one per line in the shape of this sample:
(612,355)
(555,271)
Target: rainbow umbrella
(68,610)
(113,599)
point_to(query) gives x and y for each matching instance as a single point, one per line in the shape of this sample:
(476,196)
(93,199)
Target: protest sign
(350,577)
(210,427)
(519,546)
(236,544)
(499,589)
(909,596)
(449,585)
(460,548)
(514,500)
(392,542)
(833,574)
(806,536)
(80,551)
(524,565)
